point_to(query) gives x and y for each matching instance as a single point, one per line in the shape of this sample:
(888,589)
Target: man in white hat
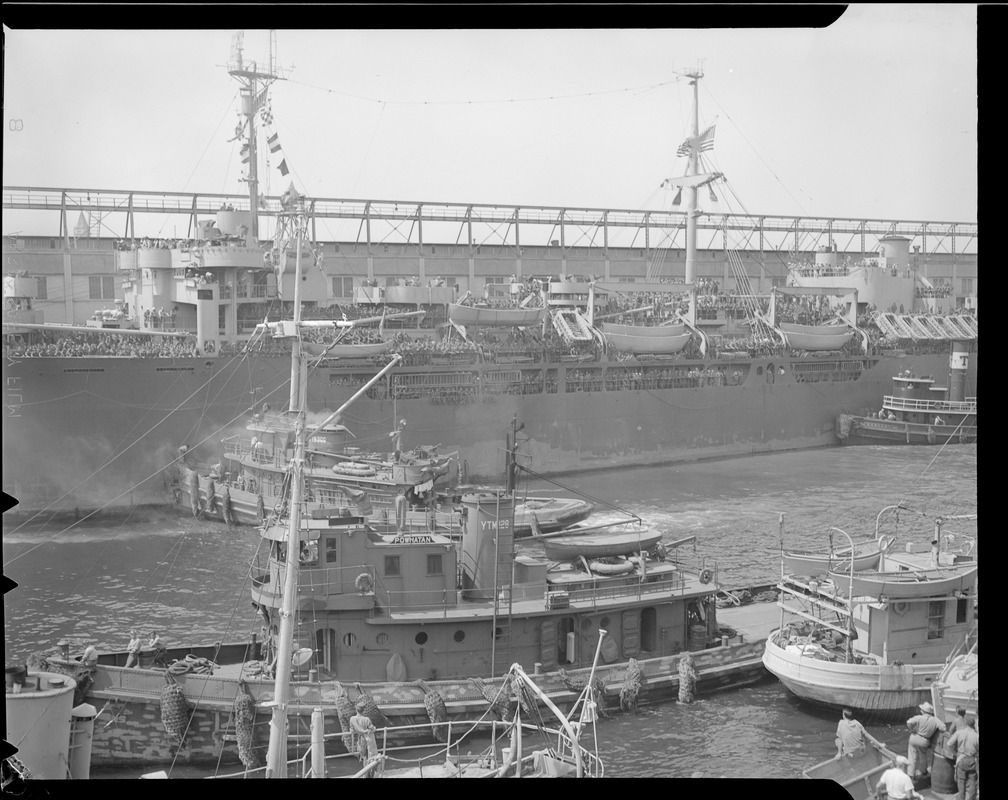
(924,730)
(896,783)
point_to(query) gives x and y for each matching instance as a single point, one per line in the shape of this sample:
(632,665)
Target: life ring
(706,575)
(931,435)
(900,607)
(364,583)
(885,543)
(908,433)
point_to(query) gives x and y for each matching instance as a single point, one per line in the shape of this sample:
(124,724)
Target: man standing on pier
(923,729)
(965,743)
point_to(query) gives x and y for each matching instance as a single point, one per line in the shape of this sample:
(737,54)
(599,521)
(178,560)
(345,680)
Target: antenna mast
(691,189)
(254,90)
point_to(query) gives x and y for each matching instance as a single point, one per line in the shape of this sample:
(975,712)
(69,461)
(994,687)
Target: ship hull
(97,433)
(882,692)
(129,731)
(852,430)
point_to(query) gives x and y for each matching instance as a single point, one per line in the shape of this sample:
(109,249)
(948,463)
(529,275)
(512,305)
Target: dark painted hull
(88,433)
(129,731)
(867,430)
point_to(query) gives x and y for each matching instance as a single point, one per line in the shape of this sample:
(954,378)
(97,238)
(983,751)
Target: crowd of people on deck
(68,344)
(941,290)
(592,380)
(807,310)
(216,239)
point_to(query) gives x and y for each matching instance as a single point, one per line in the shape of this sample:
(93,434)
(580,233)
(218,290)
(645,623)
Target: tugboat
(918,412)
(418,490)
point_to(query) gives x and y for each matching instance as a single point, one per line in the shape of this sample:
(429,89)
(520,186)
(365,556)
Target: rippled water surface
(190,581)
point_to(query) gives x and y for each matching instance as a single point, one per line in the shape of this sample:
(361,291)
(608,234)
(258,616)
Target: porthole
(350,639)
(604,623)
(420,638)
(498,633)
(381,639)
(459,636)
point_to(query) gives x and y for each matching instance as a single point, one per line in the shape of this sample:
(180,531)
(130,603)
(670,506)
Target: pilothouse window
(936,619)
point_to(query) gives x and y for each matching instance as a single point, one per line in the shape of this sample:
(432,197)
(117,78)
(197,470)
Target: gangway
(914,324)
(571,326)
(969,324)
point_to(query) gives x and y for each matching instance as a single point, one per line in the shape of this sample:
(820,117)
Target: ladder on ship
(503,586)
(749,302)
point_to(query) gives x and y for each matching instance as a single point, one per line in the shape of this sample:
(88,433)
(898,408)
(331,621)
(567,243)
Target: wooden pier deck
(754,621)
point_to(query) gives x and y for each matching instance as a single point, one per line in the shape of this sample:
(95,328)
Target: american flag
(705,140)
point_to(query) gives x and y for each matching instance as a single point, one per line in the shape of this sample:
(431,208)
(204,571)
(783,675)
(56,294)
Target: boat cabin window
(434,565)
(961,606)
(331,549)
(392,569)
(459,636)
(420,638)
(309,553)
(936,619)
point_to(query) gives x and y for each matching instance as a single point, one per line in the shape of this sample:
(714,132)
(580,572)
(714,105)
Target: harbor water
(189,579)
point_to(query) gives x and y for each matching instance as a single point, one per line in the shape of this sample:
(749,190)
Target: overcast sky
(875,116)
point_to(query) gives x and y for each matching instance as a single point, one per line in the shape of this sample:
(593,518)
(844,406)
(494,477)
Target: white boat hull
(882,691)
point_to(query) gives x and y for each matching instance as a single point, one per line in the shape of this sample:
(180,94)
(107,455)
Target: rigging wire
(760,157)
(470,102)
(158,471)
(371,141)
(592,498)
(97,470)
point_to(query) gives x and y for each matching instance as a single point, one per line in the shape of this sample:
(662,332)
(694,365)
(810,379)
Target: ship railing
(910,404)
(639,590)
(316,580)
(241,452)
(967,644)
(417,600)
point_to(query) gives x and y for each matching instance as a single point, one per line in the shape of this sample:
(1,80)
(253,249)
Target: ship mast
(691,191)
(691,182)
(255,84)
(276,759)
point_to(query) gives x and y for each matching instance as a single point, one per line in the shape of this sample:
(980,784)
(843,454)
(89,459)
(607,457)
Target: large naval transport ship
(95,414)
